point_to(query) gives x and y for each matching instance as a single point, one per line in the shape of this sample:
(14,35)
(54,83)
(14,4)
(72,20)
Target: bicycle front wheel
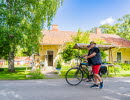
(74,76)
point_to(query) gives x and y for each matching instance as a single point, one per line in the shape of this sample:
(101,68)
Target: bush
(125,67)
(116,69)
(1,69)
(37,75)
(58,66)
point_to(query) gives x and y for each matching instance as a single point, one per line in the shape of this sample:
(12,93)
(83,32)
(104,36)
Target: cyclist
(94,59)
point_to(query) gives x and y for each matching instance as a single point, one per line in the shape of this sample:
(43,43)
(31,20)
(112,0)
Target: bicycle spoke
(74,76)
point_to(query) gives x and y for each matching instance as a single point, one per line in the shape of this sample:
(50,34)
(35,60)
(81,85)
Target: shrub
(1,69)
(58,66)
(116,69)
(37,74)
(125,67)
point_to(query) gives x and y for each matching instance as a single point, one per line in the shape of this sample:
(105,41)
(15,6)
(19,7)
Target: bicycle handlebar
(80,57)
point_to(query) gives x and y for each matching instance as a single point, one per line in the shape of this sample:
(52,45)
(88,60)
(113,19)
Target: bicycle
(76,74)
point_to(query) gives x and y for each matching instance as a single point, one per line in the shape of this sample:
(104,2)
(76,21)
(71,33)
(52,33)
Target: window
(127,62)
(119,57)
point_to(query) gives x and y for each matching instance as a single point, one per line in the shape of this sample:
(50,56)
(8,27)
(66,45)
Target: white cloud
(108,20)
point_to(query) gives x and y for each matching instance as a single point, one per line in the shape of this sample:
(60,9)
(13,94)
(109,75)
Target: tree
(121,28)
(109,29)
(93,30)
(69,53)
(21,25)
(124,27)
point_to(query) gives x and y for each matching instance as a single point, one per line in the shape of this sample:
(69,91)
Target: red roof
(60,37)
(56,37)
(22,58)
(112,38)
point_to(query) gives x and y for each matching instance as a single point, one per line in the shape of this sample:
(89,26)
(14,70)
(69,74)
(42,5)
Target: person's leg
(98,77)
(95,78)
(90,73)
(95,69)
(96,72)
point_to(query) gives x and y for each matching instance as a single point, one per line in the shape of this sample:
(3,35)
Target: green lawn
(121,73)
(20,74)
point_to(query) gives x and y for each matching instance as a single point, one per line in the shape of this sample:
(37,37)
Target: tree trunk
(11,62)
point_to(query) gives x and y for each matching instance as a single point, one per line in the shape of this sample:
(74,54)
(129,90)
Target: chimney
(98,31)
(54,27)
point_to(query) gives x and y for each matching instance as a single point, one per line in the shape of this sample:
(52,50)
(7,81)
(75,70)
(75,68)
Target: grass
(36,74)
(20,74)
(119,73)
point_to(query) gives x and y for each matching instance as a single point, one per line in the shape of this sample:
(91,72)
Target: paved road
(58,89)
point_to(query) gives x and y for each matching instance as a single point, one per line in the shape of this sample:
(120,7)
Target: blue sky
(86,14)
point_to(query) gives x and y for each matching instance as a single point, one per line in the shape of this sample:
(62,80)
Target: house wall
(125,54)
(43,53)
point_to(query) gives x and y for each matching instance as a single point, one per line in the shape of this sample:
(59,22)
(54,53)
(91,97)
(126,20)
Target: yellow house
(54,40)
(121,53)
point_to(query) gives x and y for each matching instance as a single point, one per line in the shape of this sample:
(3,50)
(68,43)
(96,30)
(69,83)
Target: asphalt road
(58,89)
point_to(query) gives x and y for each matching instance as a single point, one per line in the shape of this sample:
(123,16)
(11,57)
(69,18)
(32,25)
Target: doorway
(119,57)
(50,58)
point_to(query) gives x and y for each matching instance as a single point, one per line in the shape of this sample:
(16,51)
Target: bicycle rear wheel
(74,76)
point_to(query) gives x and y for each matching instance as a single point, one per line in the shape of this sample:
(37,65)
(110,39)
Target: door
(50,58)
(119,57)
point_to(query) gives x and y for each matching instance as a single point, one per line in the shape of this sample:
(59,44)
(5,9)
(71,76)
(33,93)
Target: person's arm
(93,54)
(84,55)
(90,56)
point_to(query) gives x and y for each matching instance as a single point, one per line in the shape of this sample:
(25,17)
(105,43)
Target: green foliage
(109,29)
(20,74)
(116,69)
(121,28)
(103,55)
(124,27)
(81,37)
(125,67)
(21,25)
(93,30)
(120,67)
(66,67)
(37,75)
(69,53)
(58,66)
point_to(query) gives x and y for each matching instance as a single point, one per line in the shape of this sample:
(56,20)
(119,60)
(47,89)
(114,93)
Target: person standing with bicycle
(94,58)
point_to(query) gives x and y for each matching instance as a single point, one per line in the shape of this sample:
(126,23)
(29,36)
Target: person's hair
(92,42)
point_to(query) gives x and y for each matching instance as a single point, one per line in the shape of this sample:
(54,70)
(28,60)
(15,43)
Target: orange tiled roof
(60,37)
(22,58)
(113,39)
(56,37)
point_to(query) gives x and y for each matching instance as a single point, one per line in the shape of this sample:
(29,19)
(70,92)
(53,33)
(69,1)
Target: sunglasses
(88,46)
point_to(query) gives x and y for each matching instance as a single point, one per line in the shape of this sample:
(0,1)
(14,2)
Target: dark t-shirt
(96,50)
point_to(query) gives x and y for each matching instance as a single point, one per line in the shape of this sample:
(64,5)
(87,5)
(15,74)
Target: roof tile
(60,37)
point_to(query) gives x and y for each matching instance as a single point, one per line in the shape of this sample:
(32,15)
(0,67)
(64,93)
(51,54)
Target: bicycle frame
(82,68)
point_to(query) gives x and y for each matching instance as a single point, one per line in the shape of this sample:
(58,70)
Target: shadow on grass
(18,75)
